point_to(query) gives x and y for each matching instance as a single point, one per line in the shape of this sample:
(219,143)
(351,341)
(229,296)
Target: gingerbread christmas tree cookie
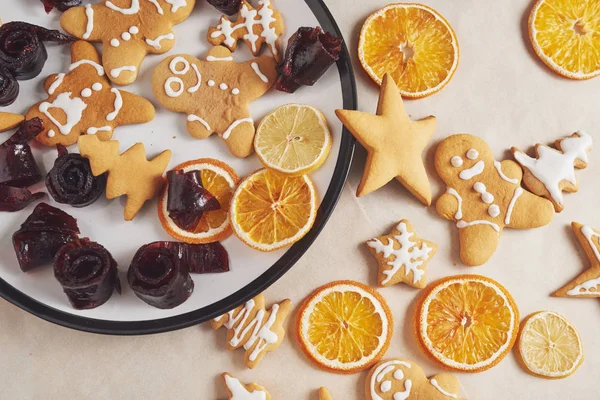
(256,26)
(484,196)
(402,256)
(552,171)
(82,101)
(128,30)
(394,143)
(215,93)
(236,390)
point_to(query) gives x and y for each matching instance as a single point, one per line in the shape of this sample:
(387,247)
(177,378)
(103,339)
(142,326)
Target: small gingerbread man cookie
(215,94)
(128,30)
(236,390)
(397,378)
(484,196)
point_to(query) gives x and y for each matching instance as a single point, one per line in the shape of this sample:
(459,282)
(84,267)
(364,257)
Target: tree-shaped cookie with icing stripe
(255,329)
(128,30)
(215,93)
(552,171)
(236,390)
(484,196)
(82,101)
(255,26)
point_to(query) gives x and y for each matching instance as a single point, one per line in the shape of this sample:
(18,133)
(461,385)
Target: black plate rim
(276,271)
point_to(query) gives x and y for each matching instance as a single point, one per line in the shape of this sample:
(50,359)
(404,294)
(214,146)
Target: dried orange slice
(270,210)
(344,327)
(466,322)
(566,36)
(549,346)
(220,180)
(413,43)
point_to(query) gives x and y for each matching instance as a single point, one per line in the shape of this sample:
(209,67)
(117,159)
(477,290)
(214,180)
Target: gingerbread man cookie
(484,196)
(215,94)
(399,379)
(82,101)
(255,26)
(553,171)
(128,30)
(236,390)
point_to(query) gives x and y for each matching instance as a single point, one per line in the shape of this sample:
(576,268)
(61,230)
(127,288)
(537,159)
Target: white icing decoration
(223,86)
(156,42)
(87,92)
(158,7)
(518,192)
(379,375)
(192,118)
(486,196)
(239,392)
(211,58)
(498,166)
(386,386)
(589,233)
(472,154)
(552,166)
(176,4)
(115,42)
(398,374)
(72,107)
(169,88)
(51,133)
(234,125)
(57,82)
(456,161)
(475,170)
(126,36)
(493,211)
(454,193)
(97,86)
(195,88)
(211,83)
(177,60)
(135,7)
(258,72)
(408,255)
(99,68)
(93,131)
(115,72)
(464,224)
(118,105)
(436,385)
(584,288)
(134,30)
(235,91)
(89,13)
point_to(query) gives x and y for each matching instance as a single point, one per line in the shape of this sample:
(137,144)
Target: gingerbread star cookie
(402,256)
(255,26)
(236,390)
(10,121)
(395,143)
(588,283)
(128,30)
(215,93)
(82,101)
(398,378)
(484,196)
(553,171)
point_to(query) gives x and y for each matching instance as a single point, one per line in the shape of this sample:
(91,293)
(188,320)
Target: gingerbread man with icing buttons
(483,196)
(128,30)
(214,94)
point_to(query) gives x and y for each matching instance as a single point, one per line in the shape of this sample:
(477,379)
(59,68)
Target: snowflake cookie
(128,30)
(402,256)
(236,390)
(553,171)
(484,196)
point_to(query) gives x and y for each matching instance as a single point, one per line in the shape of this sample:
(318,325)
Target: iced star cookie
(82,101)
(402,256)
(128,30)
(255,26)
(553,171)
(215,93)
(236,390)
(397,379)
(587,284)
(484,196)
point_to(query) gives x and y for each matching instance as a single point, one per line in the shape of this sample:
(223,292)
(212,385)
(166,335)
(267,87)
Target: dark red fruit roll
(17,165)
(187,199)
(14,199)
(42,234)
(9,87)
(159,276)
(228,7)
(309,55)
(87,273)
(61,5)
(70,181)
(205,258)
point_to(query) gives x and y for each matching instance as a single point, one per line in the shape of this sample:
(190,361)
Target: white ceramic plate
(251,271)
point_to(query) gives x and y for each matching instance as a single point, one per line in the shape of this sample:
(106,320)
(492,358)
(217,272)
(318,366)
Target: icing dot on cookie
(211,83)
(235,91)
(472,154)
(456,161)
(493,210)
(87,92)
(480,188)
(115,42)
(398,375)
(223,86)
(386,386)
(51,133)
(134,30)
(126,36)
(97,86)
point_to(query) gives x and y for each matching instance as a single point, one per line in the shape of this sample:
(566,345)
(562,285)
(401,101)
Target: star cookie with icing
(236,390)
(128,30)
(82,101)
(402,256)
(394,143)
(214,94)
(255,26)
(586,284)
